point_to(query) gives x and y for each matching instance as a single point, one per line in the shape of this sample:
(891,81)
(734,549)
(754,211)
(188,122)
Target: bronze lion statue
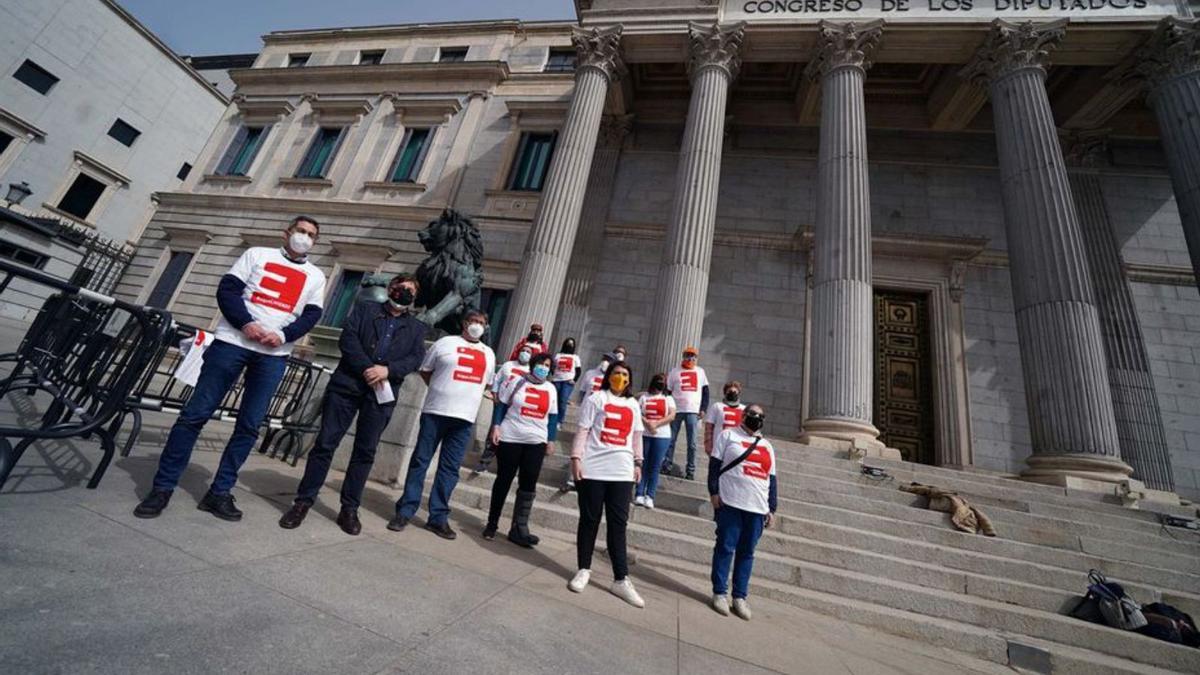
(452,276)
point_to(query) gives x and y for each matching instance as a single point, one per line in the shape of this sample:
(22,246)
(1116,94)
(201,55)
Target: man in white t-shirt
(458,369)
(723,414)
(270,298)
(689,387)
(743,491)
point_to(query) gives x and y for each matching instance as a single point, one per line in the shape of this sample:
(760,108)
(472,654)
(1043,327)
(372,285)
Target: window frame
(40,259)
(374,53)
(37,69)
(551,68)
(114,130)
(414,172)
(442,52)
(85,217)
(184,171)
(335,294)
(231,160)
(518,156)
(297,59)
(304,171)
(170,254)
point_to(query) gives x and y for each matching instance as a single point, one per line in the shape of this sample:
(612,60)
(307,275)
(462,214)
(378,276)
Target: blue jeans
(223,363)
(564,390)
(688,419)
(653,451)
(737,535)
(452,434)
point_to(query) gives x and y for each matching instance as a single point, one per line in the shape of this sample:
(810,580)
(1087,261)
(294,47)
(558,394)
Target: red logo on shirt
(565,364)
(656,409)
(596,382)
(472,364)
(536,405)
(758,464)
(733,417)
(280,287)
(516,372)
(618,424)
(689,380)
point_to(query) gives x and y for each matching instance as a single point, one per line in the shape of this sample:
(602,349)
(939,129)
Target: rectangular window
(38,78)
(532,161)
(5,141)
(370,57)
(411,155)
(239,156)
(23,255)
(169,280)
(298,60)
(320,154)
(82,196)
(452,55)
(494,303)
(184,171)
(561,61)
(341,301)
(124,132)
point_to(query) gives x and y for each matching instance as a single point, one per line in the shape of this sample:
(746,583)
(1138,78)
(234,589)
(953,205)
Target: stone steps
(943,600)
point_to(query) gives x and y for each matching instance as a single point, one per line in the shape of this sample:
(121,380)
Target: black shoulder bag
(741,458)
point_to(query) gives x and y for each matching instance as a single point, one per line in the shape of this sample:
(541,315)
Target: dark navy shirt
(390,323)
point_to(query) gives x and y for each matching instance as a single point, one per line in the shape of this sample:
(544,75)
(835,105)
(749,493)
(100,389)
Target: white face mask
(475,330)
(300,243)
(523,358)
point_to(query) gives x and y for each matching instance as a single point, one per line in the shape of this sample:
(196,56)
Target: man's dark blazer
(360,336)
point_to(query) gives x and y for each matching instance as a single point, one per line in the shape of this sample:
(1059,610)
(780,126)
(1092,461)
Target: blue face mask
(541,372)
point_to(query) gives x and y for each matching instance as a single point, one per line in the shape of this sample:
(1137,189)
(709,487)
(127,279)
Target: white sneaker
(741,608)
(639,501)
(624,590)
(649,503)
(721,604)
(580,581)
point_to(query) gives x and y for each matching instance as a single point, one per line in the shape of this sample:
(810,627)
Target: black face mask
(534,337)
(568,348)
(657,386)
(753,422)
(401,296)
(732,396)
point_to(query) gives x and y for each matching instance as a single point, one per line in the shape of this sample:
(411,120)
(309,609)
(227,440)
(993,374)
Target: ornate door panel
(903,374)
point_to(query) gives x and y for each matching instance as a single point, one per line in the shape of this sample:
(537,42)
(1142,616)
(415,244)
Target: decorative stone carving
(715,45)
(1086,149)
(1010,47)
(958,280)
(613,130)
(1173,51)
(599,48)
(849,44)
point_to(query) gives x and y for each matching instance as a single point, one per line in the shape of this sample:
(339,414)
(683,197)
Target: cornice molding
(410,109)
(339,108)
(27,130)
(546,112)
(263,107)
(311,77)
(290,206)
(99,167)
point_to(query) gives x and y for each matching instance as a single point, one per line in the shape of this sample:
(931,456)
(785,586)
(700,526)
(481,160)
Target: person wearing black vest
(381,343)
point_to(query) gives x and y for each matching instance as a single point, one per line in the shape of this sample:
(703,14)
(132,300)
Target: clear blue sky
(202,27)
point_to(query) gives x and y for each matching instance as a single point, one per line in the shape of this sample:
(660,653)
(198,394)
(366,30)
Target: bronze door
(903,377)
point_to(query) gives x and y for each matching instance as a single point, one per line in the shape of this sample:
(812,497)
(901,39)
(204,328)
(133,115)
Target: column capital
(1011,47)
(1085,149)
(847,44)
(600,49)
(613,130)
(715,45)
(1172,51)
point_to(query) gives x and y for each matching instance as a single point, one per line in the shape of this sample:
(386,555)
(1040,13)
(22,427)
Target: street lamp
(17,192)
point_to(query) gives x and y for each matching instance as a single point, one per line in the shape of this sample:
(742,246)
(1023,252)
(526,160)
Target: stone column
(1072,425)
(585,259)
(552,235)
(840,405)
(682,290)
(1170,62)
(1135,405)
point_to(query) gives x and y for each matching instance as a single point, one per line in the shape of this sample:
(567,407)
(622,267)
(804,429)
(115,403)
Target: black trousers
(610,498)
(520,460)
(337,413)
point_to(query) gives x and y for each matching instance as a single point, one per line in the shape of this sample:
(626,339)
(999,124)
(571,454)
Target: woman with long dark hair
(567,368)
(606,462)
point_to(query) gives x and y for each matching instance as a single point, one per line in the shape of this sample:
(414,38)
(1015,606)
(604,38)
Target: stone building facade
(953,234)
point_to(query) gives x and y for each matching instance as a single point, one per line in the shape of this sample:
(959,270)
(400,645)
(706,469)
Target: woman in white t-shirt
(606,462)
(527,408)
(567,368)
(658,409)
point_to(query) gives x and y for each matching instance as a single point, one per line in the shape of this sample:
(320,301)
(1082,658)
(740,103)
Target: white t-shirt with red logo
(687,386)
(656,407)
(724,416)
(746,486)
(508,371)
(590,382)
(564,367)
(462,371)
(610,422)
(277,290)
(529,409)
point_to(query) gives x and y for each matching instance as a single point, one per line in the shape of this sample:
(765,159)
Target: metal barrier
(87,351)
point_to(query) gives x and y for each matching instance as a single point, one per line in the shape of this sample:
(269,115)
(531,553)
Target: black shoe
(690,476)
(489,532)
(154,503)
(398,523)
(348,520)
(519,533)
(442,530)
(295,515)
(220,506)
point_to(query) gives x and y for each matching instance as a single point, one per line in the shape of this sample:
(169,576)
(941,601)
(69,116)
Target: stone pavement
(86,587)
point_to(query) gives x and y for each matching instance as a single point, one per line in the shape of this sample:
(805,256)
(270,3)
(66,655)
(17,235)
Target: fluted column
(1072,425)
(687,251)
(585,259)
(552,235)
(840,404)
(1171,64)
(1135,405)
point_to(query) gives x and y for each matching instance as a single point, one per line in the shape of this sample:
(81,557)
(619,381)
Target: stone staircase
(863,551)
